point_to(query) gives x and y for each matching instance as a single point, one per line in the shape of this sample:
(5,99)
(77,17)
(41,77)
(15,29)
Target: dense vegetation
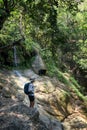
(56,28)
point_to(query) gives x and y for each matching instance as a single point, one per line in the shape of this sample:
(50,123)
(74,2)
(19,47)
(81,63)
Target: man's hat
(32,79)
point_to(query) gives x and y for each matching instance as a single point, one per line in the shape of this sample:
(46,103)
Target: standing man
(31,92)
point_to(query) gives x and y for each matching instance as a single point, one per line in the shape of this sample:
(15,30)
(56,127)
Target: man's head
(32,80)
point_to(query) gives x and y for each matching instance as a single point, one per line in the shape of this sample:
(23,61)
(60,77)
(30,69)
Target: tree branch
(4,48)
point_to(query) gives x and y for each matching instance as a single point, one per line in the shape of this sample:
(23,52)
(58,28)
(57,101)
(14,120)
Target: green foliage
(4,38)
(75,82)
(53,71)
(81,55)
(46,54)
(51,68)
(11,30)
(28,44)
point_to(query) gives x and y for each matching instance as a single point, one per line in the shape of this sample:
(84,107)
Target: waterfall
(15,56)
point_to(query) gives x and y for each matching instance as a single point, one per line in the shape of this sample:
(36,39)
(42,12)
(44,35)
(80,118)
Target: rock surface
(55,109)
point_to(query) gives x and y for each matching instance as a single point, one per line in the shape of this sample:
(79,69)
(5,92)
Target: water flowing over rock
(16,59)
(15,56)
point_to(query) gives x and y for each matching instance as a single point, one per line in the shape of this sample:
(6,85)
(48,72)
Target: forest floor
(55,104)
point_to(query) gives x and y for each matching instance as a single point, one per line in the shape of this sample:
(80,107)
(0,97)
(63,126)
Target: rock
(20,95)
(38,65)
(6,92)
(55,125)
(75,122)
(53,105)
(50,122)
(1,87)
(34,114)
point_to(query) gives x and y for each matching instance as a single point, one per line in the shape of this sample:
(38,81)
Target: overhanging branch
(4,48)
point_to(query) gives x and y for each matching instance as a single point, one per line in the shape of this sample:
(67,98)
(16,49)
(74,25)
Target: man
(31,92)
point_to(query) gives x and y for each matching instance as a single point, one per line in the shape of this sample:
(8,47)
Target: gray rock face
(39,66)
(18,116)
(51,103)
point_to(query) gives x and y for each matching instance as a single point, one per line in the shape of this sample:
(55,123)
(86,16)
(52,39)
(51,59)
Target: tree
(6,6)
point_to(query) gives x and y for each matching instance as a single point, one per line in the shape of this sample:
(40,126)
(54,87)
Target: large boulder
(38,65)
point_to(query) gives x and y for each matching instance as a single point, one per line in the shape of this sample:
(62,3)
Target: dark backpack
(26,88)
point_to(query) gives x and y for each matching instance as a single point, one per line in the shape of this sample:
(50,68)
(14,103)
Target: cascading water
(15,56)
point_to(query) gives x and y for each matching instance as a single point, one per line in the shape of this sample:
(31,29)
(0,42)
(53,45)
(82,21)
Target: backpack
(26,86)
